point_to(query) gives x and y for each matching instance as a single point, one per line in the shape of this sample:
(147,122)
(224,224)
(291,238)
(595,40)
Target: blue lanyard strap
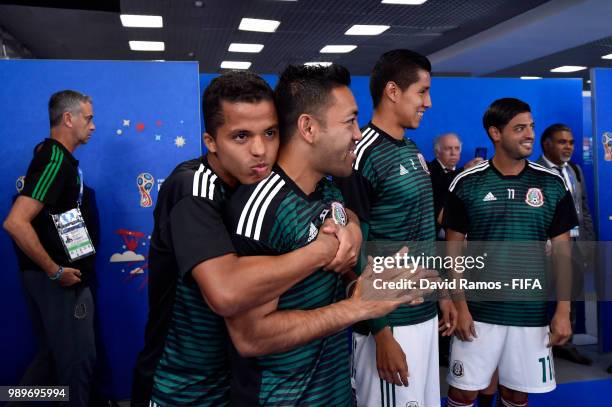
(80,200)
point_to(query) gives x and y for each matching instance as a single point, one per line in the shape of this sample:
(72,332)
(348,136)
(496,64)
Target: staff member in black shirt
(48,223)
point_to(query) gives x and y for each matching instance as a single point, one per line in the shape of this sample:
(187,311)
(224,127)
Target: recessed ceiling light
(337,49)
(609,56)
(409,2)
(317,63)
(131,20)
(589,81)
(568,68)
(366,29)
(238,47)
(235,65)
(146,45)
(255,24)
(198,3)
(531,77)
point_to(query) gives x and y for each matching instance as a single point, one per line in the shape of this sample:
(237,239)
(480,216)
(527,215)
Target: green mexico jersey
(390,190)
(194,366)
(533,206)
(275,217)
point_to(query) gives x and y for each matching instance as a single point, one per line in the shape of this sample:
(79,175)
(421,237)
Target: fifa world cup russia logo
(145,183)
(607,145)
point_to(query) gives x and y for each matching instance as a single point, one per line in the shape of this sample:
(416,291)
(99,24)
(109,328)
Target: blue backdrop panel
(601,85)
(147,121)
(459,103)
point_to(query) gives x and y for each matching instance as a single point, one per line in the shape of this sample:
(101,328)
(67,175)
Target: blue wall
(141,110)
(601,85)
(459,103)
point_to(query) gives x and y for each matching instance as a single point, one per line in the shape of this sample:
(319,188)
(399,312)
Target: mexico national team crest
(534,197)
(423,162)
(457,368)
(338,214)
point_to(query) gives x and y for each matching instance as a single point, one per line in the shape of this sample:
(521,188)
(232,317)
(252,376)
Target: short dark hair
(65,101)
(501,112)
(233,87)
(401,66)
(550,131)
(305,89)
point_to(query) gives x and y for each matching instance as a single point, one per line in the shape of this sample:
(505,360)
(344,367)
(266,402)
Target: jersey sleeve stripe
(247,206)
(262,213)
(196,180)
(204,187)
(45,173)
(365,136)
(211,187)
(539,167)
(52,174)
(365,147)
(477,168)
(257,205)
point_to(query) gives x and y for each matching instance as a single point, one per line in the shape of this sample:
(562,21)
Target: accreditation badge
(73,234)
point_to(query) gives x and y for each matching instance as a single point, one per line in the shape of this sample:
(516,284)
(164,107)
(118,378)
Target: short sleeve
(565,217)
(198,233)
(357,192)
(46,176)
(455,215)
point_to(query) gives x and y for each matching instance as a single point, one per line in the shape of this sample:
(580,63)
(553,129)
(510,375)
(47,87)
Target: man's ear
(209,141)
(392,91)
(307,127)
(494,133)
(67,119)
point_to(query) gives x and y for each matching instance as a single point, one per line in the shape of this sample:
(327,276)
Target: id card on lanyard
(72,230)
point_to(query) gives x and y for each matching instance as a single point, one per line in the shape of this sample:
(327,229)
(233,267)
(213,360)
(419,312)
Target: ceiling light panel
(235,65)
(405,2)
(132,20)
(337,49)
(147,45)
(239,47)
(317,63)
(255,24)
(568,68)
(358,29)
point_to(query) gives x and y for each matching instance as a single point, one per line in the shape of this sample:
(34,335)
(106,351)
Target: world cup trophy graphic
(145,183)
(607,145)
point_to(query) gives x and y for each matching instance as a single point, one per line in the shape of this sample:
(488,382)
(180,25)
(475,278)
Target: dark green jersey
(532,206)
(276,217)
(390,190)
(194,366)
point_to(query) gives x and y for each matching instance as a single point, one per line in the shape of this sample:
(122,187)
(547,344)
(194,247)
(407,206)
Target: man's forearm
(284,330)
(251,281)
(26,238)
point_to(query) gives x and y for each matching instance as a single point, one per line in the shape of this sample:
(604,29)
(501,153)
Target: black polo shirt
(53,179)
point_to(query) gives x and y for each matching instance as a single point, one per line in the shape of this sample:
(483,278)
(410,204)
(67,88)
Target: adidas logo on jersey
(403,170)
(313,232)
(489,197)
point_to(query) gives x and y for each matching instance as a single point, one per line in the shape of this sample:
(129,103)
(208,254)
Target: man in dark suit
(447,149)
(557,144)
